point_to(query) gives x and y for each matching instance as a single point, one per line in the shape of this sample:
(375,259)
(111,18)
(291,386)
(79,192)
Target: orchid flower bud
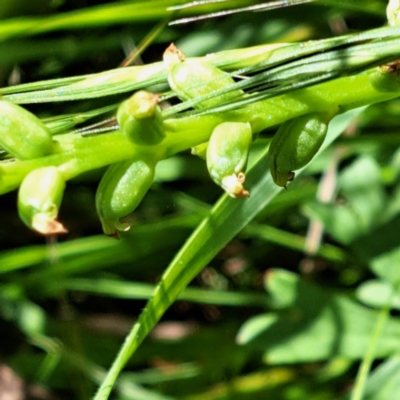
(39,199)
(140,119)
(227,154)
(22,134)
(194,78)
(294,145)
(121,189)
(393,12)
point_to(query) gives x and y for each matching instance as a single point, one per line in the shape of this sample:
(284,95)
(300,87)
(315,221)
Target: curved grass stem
(76,155)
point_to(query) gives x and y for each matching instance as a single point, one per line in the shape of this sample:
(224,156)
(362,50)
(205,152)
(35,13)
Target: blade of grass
(258,7)
(103,15)
(295,242)
(227,218)
(365,367)
(101,251)
(245,61)
(29,256)
(133,290)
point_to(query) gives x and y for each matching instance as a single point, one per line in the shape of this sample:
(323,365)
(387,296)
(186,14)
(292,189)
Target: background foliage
(277,313)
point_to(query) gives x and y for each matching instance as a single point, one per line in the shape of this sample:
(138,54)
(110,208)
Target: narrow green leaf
(227,218)
(384,382)
(134,290)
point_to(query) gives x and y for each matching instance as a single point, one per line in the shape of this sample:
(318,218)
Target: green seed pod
(22,134)
(121,189)
(140,119)
(194,78)
(295,143)
(227,154)
(39,199)
(386,77)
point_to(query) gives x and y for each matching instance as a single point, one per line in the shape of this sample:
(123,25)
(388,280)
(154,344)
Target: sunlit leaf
(318,326)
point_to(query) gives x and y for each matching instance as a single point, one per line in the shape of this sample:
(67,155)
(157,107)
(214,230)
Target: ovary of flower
(393,12)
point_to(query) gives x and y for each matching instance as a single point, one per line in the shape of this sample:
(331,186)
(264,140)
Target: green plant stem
(76,154)
(362,375)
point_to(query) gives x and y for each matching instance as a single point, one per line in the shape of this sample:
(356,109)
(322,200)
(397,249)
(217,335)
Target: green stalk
(75,155)
(365,367)
(183,133)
